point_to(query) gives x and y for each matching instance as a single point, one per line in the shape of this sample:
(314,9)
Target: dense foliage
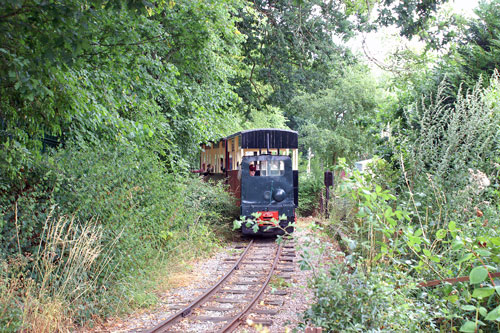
(429,209)
(127,90)
(103,105)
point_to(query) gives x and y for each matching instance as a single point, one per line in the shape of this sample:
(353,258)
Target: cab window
(272,168)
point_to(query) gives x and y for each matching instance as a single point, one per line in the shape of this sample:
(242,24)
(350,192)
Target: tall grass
(69,265)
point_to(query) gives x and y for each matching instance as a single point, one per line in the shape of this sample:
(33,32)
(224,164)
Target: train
(261,168)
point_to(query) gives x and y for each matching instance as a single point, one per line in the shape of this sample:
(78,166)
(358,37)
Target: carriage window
(272,168)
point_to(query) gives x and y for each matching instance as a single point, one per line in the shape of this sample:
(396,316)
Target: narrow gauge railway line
(224,306)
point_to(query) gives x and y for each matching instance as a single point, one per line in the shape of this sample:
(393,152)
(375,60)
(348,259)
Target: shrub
(375,302)
(446,149)
(310,187)
(437,220)
(149,217)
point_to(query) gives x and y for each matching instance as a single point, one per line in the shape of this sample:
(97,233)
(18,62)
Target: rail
(198,301)
(233,324)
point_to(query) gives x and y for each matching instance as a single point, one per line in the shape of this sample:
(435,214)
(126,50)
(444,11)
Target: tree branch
(130,44)
(14,13)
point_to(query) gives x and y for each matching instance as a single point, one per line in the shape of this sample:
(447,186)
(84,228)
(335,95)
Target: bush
(430,215)
(310,187)
(145,217)
(448,156)
(375,302)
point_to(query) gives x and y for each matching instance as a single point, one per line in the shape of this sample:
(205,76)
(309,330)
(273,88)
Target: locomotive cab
(267,188)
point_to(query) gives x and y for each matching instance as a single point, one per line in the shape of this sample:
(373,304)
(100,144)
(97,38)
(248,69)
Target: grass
(43,291)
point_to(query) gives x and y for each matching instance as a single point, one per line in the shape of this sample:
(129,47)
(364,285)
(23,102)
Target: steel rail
(231,326)
(174,318)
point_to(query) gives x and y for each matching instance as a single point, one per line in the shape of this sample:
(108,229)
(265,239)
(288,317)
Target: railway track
(240,293)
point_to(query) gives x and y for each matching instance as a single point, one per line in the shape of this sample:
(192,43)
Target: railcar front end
(267,194)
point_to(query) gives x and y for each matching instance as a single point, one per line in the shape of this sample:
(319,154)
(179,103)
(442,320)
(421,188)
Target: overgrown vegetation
(430,213)
(141,217)
(428,207)
(103,105)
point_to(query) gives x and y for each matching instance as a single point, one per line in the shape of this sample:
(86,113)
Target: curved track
(224,306)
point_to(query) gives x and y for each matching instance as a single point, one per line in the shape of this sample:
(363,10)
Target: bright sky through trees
(379,44)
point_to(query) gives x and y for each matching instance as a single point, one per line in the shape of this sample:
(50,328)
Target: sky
(378,45)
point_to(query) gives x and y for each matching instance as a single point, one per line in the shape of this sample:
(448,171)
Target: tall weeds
(448,146)
(69,265)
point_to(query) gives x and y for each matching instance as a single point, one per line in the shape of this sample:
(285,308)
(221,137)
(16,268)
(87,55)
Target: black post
(328,183)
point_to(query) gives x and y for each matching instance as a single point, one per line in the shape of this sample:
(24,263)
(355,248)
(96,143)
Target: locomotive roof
(257,138)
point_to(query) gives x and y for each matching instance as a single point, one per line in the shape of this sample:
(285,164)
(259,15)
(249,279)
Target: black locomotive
(261,168)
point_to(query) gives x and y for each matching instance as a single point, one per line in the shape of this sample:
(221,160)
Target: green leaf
(427,252)
(452,226)
(468,326)
(493,314)
(440,234)
(457,244)
(465,258)
(483,311)
(236,224)
(483,252)
(495,240)
(468,307)
(435,259)
(483,292)
(478,274)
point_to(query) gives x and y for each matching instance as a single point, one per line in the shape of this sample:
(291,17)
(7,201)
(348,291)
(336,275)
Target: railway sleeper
(262,321)
(265,311)
(285,269)
(246,283)
(285,276)
(256,263)
(273,302)
(229,300)
(258,258)
(237,291)
(217,309)
(250,270)
(212,319)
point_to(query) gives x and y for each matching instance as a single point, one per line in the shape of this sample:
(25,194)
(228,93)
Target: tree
(289,47)
(338,121)
(154,72)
